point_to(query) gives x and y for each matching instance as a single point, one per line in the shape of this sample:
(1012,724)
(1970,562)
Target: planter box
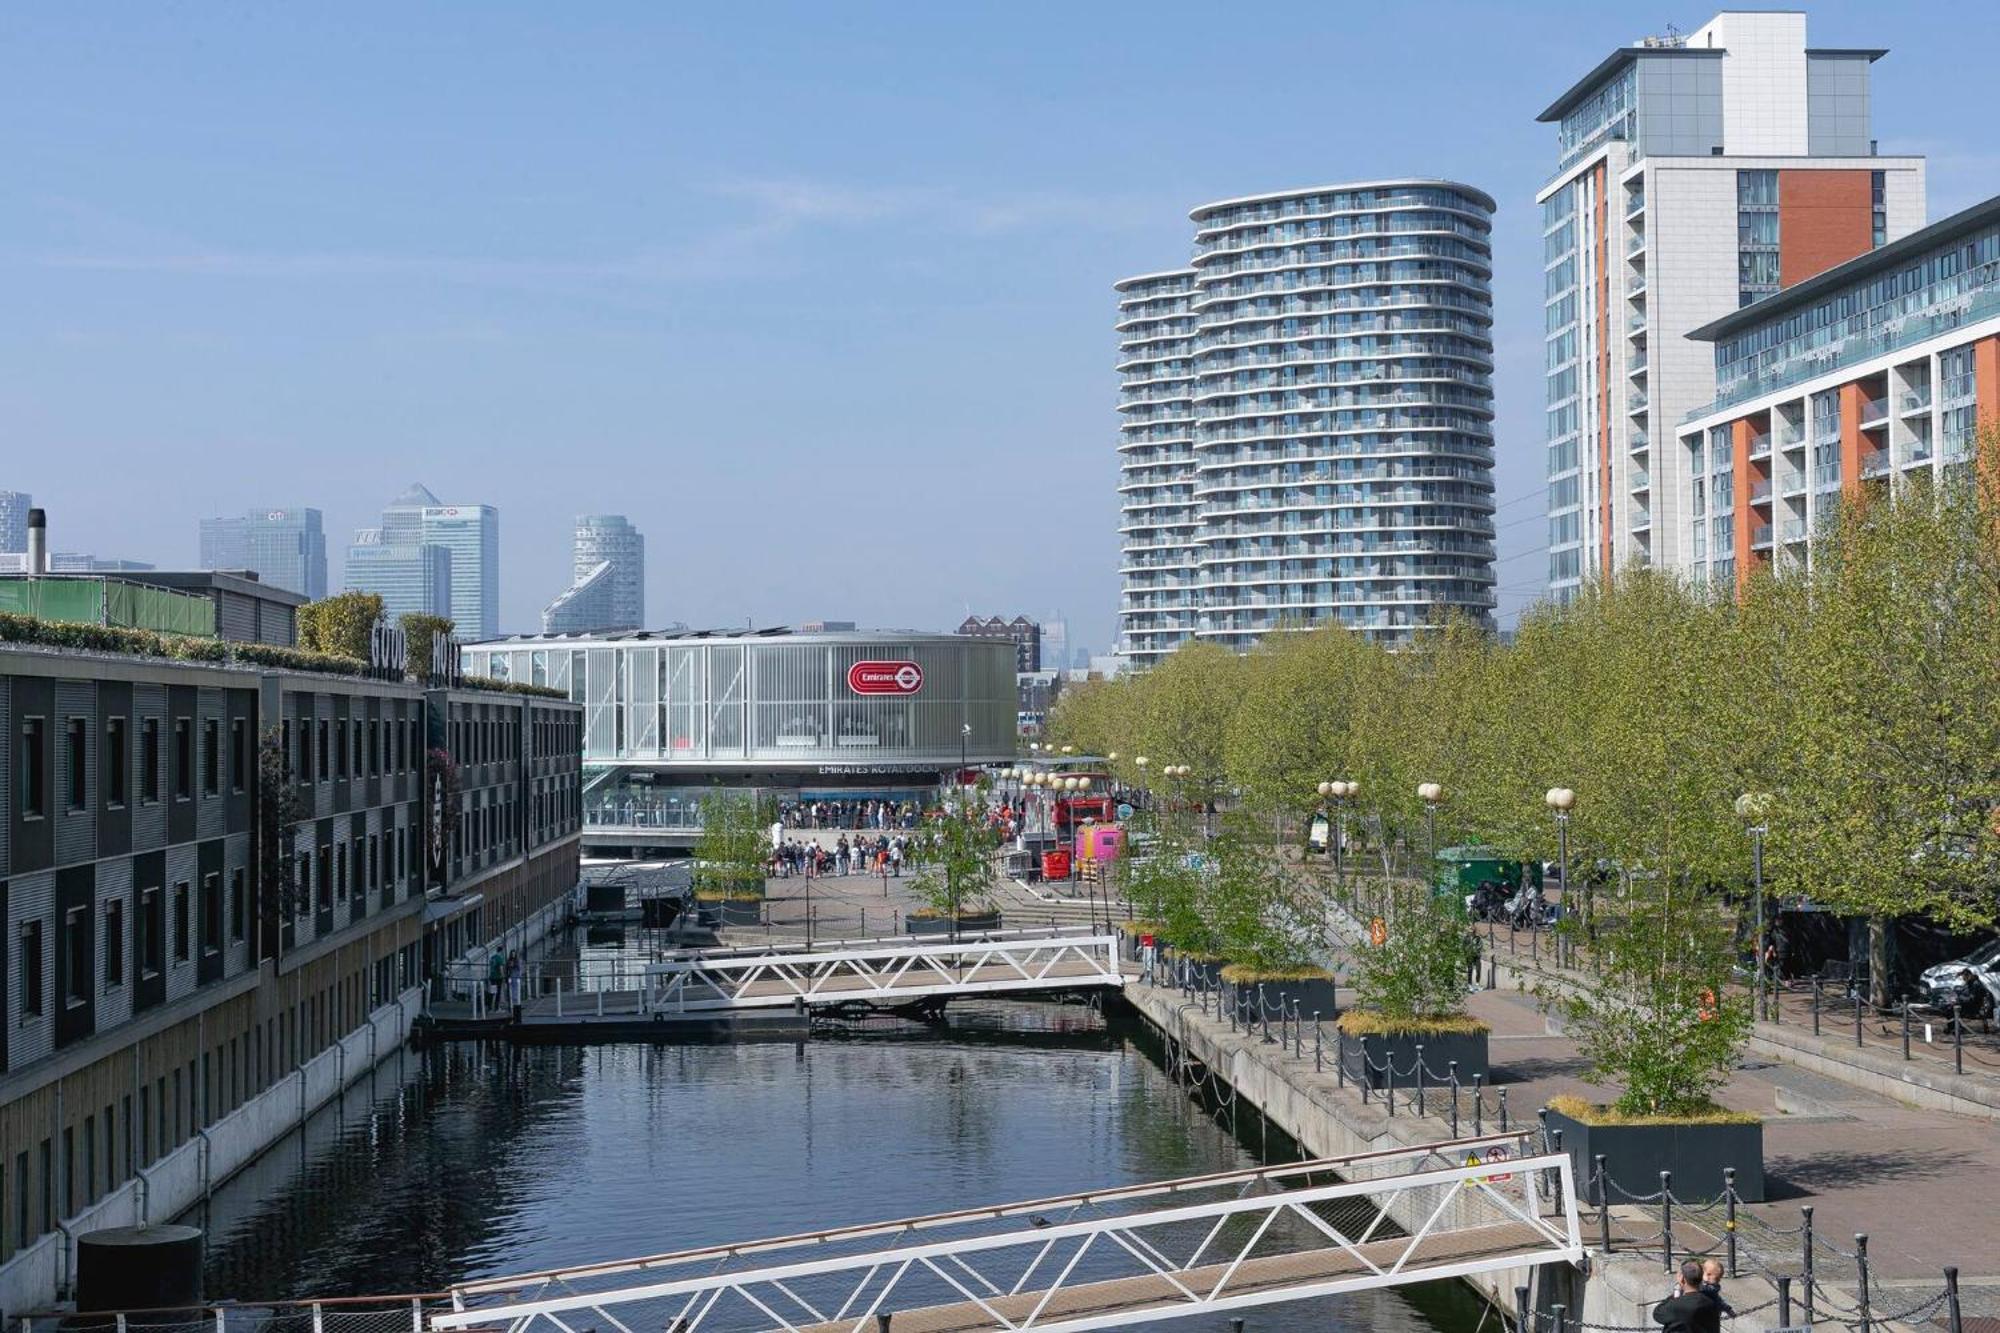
(969,923)
(1440,1049)
(1634,1156)
(1311,994)
(1202,974)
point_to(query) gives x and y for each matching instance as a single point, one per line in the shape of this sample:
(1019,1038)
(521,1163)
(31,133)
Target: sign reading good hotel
(885,678)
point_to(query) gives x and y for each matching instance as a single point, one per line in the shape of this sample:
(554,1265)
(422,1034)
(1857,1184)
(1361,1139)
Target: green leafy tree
(734,849)
(420,629)
(957,863)
(1417,974)
(339,624)
(1250,901)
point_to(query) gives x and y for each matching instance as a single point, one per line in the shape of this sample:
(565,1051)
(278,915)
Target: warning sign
(1378,932)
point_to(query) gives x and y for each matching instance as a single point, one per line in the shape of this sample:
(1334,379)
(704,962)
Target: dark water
(473,1159)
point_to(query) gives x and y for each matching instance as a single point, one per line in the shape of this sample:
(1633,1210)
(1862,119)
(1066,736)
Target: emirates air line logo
(885,678)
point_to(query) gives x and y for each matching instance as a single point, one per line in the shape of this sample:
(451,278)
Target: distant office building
(71,562)
(471,533)
(1306,419)
(14,507)
(1695,175)
(1841,388)
(1026,634)
(826,627)
(409,577)
(286,548)
(607,581)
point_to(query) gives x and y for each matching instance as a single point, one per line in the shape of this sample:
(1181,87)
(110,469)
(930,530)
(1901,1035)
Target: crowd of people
(869,814)
(883,855)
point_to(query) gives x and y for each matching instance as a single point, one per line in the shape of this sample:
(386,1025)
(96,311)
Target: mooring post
(1600,1185)
(1861,1278)
(1667,1215)
(1954,1320)
(1806,1272)
(1729,1215)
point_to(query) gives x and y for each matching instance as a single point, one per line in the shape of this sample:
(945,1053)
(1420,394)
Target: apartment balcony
(1760,491)
(1921,453)
(1794,485)
(1642,480)
(1760,445)
(1791,437)
(1641,520)
(1760,537)
(1874,413)
(1637,248)
(1916,401)
(1636,286)
(1875,464)
(1635,364)
(1635,204)
(1635,404)
(1636,325)
(1794,530)
(1640,442)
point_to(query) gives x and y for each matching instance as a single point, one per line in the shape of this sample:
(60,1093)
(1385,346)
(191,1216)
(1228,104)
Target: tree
(1291,727)
(734,849)
(1417,974)
(1249,900)
(340,624)
(419,630)
(957,865)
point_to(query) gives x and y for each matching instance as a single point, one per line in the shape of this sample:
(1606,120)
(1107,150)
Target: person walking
(514,984)
(1711,1285)
(1689,1309)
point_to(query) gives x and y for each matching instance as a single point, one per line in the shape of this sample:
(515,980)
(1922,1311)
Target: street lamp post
(1560,800)
(1753,807)
(1431,793)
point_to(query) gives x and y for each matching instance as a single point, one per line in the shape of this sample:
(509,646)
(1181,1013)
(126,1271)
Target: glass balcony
(1760,491)
(1636,363)
(1760,445)
(1875,464)
(1640,442)
(1791,435)
(1642,520)
(1760,537)
(1917,400)
(1635,404)
(1874,412)
(1641,479)
(1795,530)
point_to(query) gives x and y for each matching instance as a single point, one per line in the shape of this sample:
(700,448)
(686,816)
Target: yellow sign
(1378,932)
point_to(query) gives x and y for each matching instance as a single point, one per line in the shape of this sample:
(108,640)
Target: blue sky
(819,295)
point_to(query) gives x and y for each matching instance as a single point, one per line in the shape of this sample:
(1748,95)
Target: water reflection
(474,1159)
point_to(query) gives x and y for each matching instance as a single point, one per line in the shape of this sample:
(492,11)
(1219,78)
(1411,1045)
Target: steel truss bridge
(881,974)
(1103,1259)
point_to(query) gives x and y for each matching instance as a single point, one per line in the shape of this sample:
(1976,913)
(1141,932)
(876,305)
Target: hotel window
(182,925)
(1878,187)
(1756,235)
(114,771)
(76,956)
(149,949)
(211,913)
(114,943)
(76,741)
(34,776)
(31,969)
(149,760)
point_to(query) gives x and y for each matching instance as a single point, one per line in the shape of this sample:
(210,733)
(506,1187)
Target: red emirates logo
(885,678)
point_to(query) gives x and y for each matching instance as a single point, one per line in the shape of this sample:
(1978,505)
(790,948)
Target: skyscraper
(1307,416)
(471,533)
(14,506)
(1696,175)
(286,547)
(409,577)
(610,600)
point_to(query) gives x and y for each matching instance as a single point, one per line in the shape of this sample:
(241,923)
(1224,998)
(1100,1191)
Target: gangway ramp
(882,974)
(1103,1259)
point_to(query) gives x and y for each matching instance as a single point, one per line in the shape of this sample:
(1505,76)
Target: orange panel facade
(1824,218)
(1851,400)
(1743,517)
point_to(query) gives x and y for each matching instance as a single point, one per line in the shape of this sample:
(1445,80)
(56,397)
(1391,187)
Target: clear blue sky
(819,295)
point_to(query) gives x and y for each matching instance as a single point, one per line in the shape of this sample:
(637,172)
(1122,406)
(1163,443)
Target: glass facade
(765,711)
(1158,518)
(1342,410)
(1564,344)
(286,548)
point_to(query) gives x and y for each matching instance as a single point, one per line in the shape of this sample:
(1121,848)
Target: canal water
(468,1159)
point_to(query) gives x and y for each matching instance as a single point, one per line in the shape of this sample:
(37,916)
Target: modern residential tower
(286,547)
(1696,175)
(607,582)
(1307,419)
(14,507)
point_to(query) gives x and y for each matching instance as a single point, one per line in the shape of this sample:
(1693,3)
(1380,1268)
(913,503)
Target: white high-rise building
(1307,419)
(470,532)
(1696,175)
(607,579)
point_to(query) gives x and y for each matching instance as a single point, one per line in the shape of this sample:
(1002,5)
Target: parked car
(1972,983)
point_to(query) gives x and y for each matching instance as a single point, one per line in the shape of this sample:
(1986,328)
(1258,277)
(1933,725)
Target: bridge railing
(1106,1259)
(897,973)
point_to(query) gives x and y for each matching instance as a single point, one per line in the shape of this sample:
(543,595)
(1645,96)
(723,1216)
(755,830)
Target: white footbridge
(1103,1259)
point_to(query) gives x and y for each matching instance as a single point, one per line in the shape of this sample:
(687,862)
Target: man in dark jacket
(1690,1310)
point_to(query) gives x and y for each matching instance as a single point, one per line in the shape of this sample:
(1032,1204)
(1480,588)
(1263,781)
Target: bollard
(881,1323)
(1559,1317)
(1906,1029)
(1420,1078)
(1806,1272)
(1954,1320)
(1503,1110)
(1667,1215)
(1478,1106)
(1451,1072)
(1729,1215)
(1263,1016)
(1555,1178)
(1298,1033)
(1236,1326)
(1601,1187)
(1521,1309)
(1389,1077)
(1784,1302)
(1867,1322)
(1957,1041)
(1319,1036)
(1815,1007)
(1857,1017)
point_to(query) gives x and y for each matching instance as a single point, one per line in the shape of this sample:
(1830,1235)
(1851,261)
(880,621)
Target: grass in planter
(1246,973)
(1369,1023)
(1137,928)
(721,896)
(1593,1113)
